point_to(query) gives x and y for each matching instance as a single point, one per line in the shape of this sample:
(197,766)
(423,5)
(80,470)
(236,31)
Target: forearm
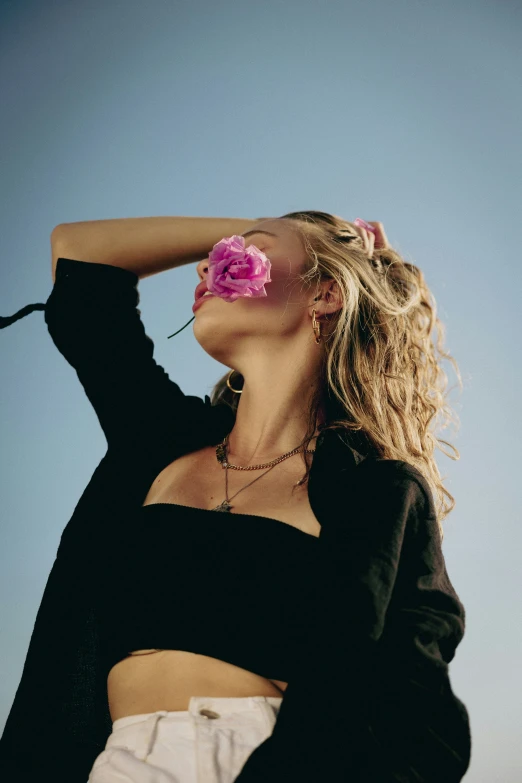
(144,245)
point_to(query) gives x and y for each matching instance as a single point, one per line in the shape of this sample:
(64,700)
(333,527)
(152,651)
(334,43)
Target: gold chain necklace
(221,454)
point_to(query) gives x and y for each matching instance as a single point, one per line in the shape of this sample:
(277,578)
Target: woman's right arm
(93,319)
(143,245)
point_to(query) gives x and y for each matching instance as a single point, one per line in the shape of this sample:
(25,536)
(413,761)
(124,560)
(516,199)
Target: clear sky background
(405,112)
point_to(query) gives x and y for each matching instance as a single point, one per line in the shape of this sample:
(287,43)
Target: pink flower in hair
(236,271)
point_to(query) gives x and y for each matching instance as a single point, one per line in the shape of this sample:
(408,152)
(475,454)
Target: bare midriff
(147,681)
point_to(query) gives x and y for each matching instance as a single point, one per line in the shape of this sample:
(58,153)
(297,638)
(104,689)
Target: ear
(329,300)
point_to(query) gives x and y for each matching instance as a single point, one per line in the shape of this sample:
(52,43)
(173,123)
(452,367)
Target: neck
(256,441)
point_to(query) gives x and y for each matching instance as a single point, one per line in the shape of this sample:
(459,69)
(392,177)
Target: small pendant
(224,506)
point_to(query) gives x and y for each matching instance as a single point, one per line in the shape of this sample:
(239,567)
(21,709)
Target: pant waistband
(217,704)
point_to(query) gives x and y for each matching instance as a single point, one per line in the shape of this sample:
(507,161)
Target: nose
(202,269)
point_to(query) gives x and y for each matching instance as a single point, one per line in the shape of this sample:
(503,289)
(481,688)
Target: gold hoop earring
(237,391)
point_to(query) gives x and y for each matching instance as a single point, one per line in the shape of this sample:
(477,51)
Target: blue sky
(407,112)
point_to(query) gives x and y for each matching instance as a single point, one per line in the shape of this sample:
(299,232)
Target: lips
(199,302)
(201,290)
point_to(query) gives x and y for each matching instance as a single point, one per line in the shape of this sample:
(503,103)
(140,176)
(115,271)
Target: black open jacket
(371,700)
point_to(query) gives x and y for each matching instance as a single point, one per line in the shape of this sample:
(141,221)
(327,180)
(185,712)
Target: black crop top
(236,587)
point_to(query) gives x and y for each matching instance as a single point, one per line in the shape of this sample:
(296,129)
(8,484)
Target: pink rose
(237,271)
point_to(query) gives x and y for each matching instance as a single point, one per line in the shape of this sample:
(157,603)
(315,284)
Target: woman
(306,635)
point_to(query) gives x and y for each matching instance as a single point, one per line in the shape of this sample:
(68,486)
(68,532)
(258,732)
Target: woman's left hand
(372,234)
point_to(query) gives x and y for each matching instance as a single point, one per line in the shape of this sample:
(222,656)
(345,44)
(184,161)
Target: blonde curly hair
(381,369)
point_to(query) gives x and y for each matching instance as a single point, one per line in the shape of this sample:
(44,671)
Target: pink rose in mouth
(236,271)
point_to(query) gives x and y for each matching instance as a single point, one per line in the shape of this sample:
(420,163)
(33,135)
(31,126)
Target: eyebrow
(249,233)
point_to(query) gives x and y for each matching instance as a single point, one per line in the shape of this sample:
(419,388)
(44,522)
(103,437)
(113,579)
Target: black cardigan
(371,699)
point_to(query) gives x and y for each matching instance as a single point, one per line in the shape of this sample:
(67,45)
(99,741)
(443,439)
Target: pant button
(209,713)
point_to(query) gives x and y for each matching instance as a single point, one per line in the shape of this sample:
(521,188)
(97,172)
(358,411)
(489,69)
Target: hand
(372,239)
(381,240)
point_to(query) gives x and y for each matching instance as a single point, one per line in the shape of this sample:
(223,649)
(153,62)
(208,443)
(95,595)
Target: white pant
(208,743)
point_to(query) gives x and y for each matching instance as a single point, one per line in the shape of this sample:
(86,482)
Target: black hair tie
(7,320)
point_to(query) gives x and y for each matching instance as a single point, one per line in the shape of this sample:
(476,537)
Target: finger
(371,244)
(381,240)
(368,239)
(362,233)
(364,224)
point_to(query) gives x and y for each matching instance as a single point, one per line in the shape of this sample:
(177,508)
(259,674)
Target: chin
(213,342)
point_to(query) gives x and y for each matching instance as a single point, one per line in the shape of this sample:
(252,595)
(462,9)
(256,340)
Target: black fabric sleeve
(371,700)
(59,719)
(93,319)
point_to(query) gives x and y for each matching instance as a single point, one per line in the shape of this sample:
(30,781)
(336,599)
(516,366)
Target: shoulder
(392,470)
(397,484)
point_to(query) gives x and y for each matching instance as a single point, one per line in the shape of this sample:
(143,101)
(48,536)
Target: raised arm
(93,318)
(143,245)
